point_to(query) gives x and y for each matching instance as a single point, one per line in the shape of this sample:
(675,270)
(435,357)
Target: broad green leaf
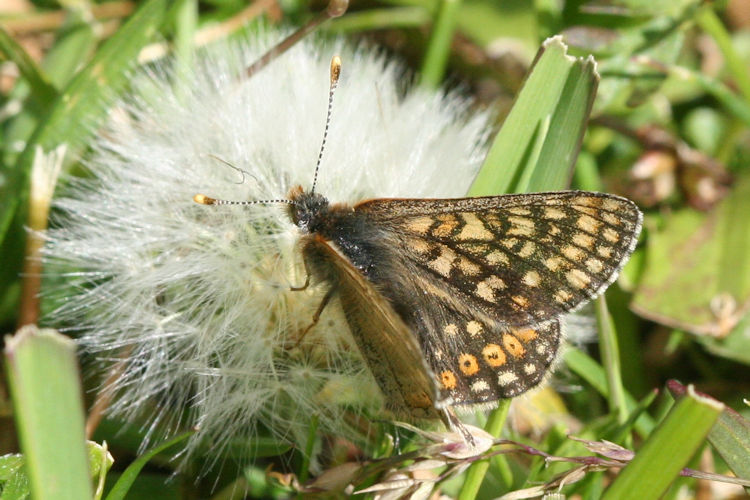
(45,385)
(667,450)
(14,482)
(512,22)
(485,22)
(82,104)
(537,146)
(696,276)
(372,19)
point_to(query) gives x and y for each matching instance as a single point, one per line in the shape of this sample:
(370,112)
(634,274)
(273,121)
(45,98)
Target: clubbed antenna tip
(335,74)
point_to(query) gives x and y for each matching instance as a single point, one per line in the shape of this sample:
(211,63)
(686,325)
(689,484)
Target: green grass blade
(589,370)
(611,360)
(732,103)
(622,433)
(536,148)
(587,173)
(554,168)
(439,46)
(42,91)
(731,438)
(186,26)
(70,52)
(667,450)
(82,105)
(709,21)
(44,382)
(312,435)
(528,155)
(373,19)
(128,477)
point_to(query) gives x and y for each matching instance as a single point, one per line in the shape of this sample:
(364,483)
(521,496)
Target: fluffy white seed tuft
(197,298)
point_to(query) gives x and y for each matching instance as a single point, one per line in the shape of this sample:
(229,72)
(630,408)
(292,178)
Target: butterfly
(457,302)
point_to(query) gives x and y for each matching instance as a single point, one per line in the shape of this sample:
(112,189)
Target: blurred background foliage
(670,129)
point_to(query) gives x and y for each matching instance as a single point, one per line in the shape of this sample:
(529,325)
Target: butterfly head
(307,209)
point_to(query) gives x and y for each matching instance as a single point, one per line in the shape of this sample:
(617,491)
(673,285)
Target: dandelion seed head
(197,299)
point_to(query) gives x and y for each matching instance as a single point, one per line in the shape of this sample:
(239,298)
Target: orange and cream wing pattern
(486,280)
(516,259)
(477,363)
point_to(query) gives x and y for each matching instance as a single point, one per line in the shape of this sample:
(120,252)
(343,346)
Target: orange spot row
(493,355)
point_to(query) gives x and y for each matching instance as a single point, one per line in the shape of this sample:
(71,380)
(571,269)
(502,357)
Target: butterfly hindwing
(477,362)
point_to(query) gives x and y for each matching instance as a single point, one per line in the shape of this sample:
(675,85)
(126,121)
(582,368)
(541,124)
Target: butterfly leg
(307,281)
(316,315)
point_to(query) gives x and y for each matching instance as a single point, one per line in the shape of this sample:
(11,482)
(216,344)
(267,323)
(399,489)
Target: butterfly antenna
(335,73)
(207,200)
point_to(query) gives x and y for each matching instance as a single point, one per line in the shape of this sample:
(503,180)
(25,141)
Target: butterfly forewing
(518,259)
